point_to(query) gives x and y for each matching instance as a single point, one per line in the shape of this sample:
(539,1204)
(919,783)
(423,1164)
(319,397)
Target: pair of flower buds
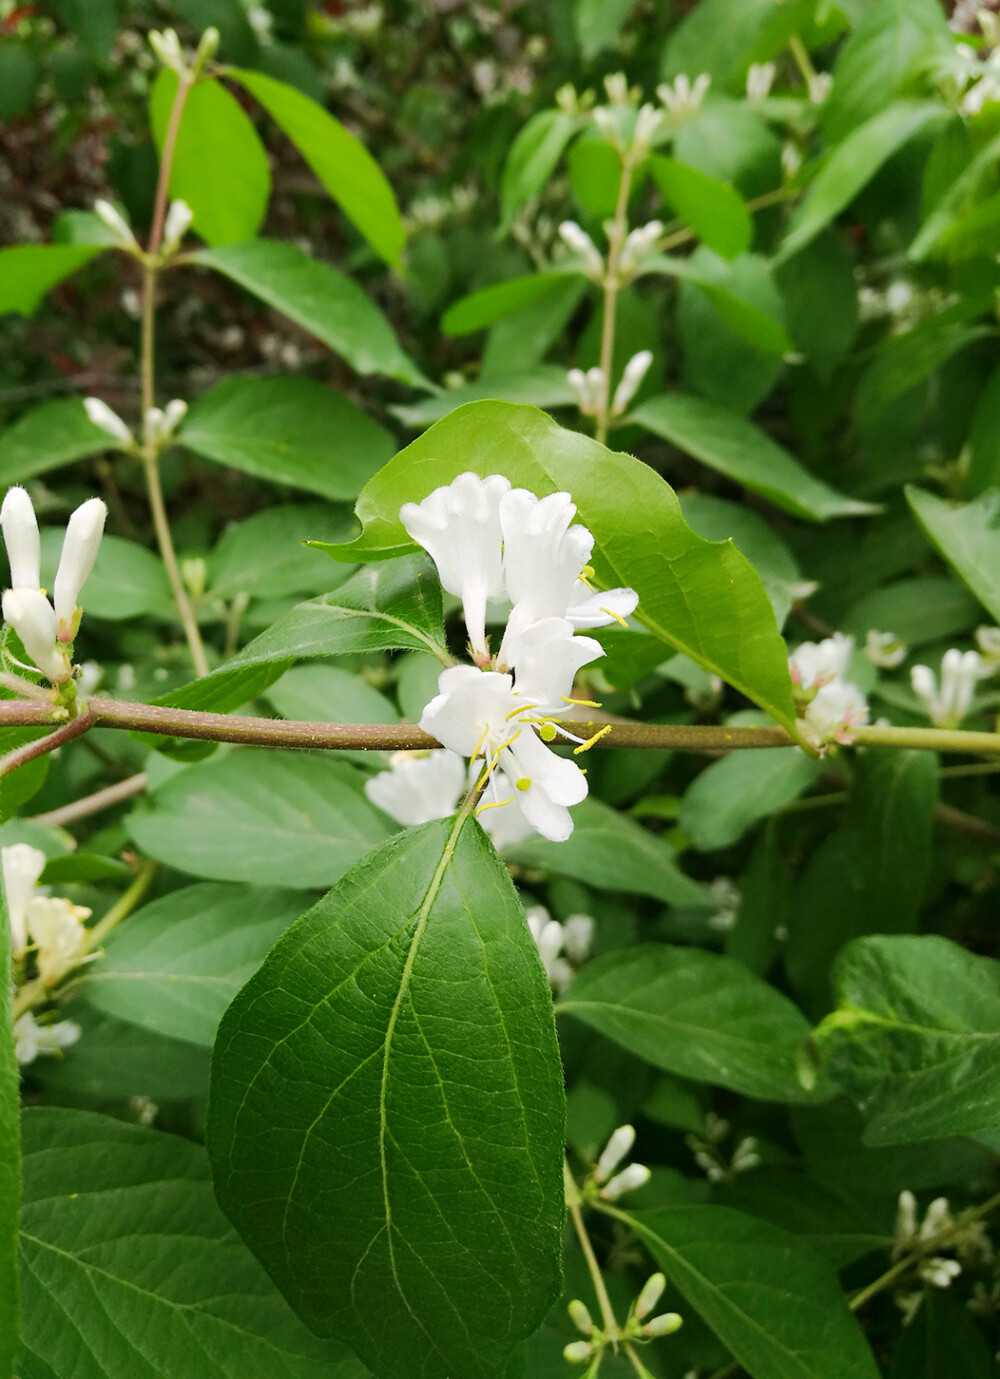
(47,630)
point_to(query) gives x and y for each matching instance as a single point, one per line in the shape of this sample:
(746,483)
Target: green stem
(573,1200)
(124,905)
(616,239)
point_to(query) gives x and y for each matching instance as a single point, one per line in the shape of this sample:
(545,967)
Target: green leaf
(321,300)
(735,447)
(697,1014)
(291,430)
(968,537)
(977,175)
(395,607)
(702,599)
(598,24)
(340,161)
(20,72)
(924,608)
(822,272)
(49,436)
(220,168)
(942,1341)
(533,157)
(713,209)
(543,386)
(852,165)
(480,309)
(773,1302)
(10,1151)
(718,519)
(154,1285)
(265,555)
(28,271)
(265,817)
(916,1038)
(177,963)
(739,790)
(404,1196)
(984,438)
(741,292)
(614,853)
(128,581)
(326,694)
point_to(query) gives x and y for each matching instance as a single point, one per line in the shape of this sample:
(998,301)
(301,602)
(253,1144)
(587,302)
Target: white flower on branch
(22,866)
(117,224)
(637,244)
(33,619)
(21,537)
(885,649)
(683,98)
(575,237)
(79,553)
(760,79)
(630,1179)
(837,708)
(419,786)
(635,371)
(58,931)
(562,947)
(158,426)
(109,421)
(947,706)
(815,664)
(32,1039)
(176,225)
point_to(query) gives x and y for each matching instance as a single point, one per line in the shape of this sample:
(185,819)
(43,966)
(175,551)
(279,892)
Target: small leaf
(291,430)
(49,436)
(10,1150)
(220,168)
(916,1039)
(401,1183)
(28,271)
(481,309)
(968,537)
(735,447)
(772,1301)
(340,161)
(533,157)
(697,1014)
(598,24)
(323,693)
(714,210)
(734,793)
(978,174)
(265,817)
(326,303)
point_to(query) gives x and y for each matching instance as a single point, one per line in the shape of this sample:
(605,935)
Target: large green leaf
(28,271)
(177,964)
(321,300)
(272,818)
(132,1272)
(717,214)
(735,447)
(942,1341)
(704,599)
(127,581)
(10,1153)
(853,164)
(533,157)
(732,794)
(340,161)
(386,1116)
(49,436)
(265,555)
(741,292)
(774,1302)
(978,175)
(220,168)
(697,1014)
(968,537)
(291,430)
(490,304)
(614,853)
(916,1037)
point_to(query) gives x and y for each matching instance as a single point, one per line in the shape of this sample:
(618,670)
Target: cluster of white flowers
(493,543)
(589,388)
(684,97)
(562,947)
(938,1231)
(48,630)
(708,1154)
(829,703)
(158,424)
(948,703)
(885,649)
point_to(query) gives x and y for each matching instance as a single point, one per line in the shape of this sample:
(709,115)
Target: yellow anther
(496,804)
(482,739)
(523,784)
(583,703)
(586,746)
(617,617)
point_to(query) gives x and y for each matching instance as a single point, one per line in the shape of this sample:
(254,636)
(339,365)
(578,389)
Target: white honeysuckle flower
(631,380)
(988,641)
(607,123)
(116,223)
(618,1146)
(652,1292)
(32,1039)
(176,225)
(22,866)
(499,814)
(885,649)
(79,553)
(543,556)
(947,706)
(937,1218)
(547,658)
(577,381)
(597,608)
(575,237)
(21,537)
(820,86)
(548,935)
(637,244)
(629,1180)
(617,87)
(684,98)
(815,664)
(760,79)
(33,619)
(459,526)
(109,421)
(647,125)
(167,47)
(419,786)
(58,931)
(158,426)
(476,713)
(906,1222)
(791,159)
(939,1272)
(838,707)
(173,414)
(578,937)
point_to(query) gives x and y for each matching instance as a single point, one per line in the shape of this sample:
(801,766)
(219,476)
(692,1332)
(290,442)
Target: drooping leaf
(340,161)
(269,818)
(697,1014)
(291,430)
(717,214)
(533,157)
(10,1152)
(968,537)
(701,598)
(177,964)
(481,309)
(326,303)
(157,1284)
(775,1303)
(28,271)
(915,1039)
(734,793)
(394,1186)
(49,436)
(219,168)
(735,447)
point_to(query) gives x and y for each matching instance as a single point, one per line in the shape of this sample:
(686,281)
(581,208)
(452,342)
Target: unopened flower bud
(683,98)
(207,47)
(635,372)
(176,225)
(597,386)
(20,534)
(652,1291)
(580,1317)
(631,1178)
(647,123)
(616,85)
(606,120)
(936,1219)
(109,421)
(567,98)
(576,237)
(906,1218)
(116,223)
(617,1147)
(637,244)
(22,866)
(167,47)
(760,78)
(173,414)
(663,1325)
(577,380)
(939,1272)
(31,615)
(79,552)
(578,1352)
(820,85)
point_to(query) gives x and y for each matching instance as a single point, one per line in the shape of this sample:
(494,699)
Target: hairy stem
(616,238)
(573,1199)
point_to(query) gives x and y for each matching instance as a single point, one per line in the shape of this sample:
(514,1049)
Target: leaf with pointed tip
(968,537)
(386,1115)
(49,436)
(28,271)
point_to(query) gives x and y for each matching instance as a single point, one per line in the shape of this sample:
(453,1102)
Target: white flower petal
(79,552)
(419,786)
(22,866)
(20,534)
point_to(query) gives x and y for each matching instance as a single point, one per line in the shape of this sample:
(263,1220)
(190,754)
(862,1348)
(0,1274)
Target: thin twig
(93,804)
(123,906)
(20,756)
(608,1318)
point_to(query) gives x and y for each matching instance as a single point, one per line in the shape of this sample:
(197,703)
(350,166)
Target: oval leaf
(714,210)
(49,436)
(28,271)
(969,539)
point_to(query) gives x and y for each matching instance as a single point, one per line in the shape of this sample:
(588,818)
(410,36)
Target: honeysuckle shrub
(498,700)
